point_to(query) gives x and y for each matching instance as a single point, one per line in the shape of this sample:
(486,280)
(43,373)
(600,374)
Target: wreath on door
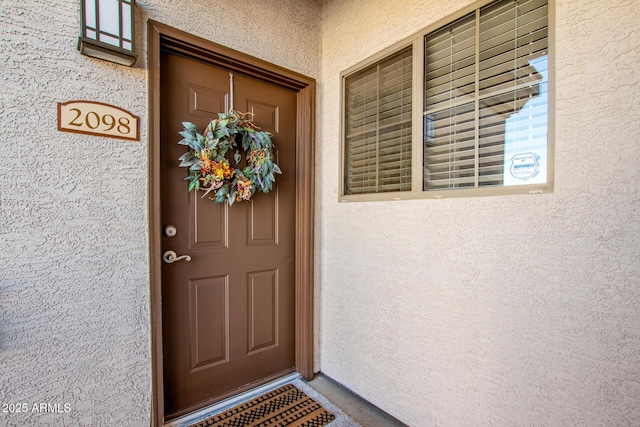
(210,169)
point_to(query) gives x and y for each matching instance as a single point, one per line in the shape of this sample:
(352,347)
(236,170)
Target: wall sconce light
(108,30)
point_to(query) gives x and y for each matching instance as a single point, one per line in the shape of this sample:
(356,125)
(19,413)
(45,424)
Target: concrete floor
(361,411)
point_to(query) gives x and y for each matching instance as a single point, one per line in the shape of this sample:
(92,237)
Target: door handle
(170,257)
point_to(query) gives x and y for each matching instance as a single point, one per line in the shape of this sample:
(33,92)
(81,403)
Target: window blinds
(378,126)
(480,72)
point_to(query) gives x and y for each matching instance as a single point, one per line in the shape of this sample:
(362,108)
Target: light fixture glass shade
(108,30)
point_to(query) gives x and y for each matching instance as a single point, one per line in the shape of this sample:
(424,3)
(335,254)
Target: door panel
(209,228)
(206,102)
(209,326)
(262,291)
(268,115)
(228,314)
(262,223)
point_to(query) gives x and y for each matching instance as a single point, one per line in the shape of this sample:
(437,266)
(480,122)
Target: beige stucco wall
(519,310)
(503,311)
(74,282)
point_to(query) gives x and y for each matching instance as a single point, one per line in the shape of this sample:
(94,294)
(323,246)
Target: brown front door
(228,315)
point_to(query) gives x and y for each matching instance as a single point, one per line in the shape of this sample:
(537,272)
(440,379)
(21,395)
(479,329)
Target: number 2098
(104,122)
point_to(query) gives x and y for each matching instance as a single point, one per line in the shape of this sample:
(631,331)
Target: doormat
(285,406)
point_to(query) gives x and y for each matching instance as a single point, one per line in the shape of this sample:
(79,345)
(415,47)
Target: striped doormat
(285,406)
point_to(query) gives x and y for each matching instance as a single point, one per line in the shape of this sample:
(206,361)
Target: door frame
(162,37)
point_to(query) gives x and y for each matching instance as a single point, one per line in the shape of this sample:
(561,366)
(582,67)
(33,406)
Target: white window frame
(417,160)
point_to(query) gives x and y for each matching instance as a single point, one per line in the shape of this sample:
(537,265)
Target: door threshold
(223,405)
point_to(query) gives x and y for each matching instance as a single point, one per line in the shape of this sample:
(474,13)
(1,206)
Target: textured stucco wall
(505,311)
(519,310)
(74,285)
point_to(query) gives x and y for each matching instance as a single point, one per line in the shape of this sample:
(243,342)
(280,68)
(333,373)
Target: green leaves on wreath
(222,194)
(246,141)
(268,169)
(208,164)
(188,159)
(194,182)
(192,138)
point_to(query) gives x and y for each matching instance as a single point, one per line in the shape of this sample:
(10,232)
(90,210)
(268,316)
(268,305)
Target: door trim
(164,38)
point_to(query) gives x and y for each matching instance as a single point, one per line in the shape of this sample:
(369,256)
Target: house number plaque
(96,118)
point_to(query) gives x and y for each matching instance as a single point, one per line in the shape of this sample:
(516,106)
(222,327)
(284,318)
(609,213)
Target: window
(483,126)
(378,126)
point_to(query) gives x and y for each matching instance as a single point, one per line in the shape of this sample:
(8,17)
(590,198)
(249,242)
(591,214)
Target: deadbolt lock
(170,231)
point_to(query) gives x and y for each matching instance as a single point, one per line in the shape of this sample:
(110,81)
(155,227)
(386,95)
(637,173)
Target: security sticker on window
(525,166)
